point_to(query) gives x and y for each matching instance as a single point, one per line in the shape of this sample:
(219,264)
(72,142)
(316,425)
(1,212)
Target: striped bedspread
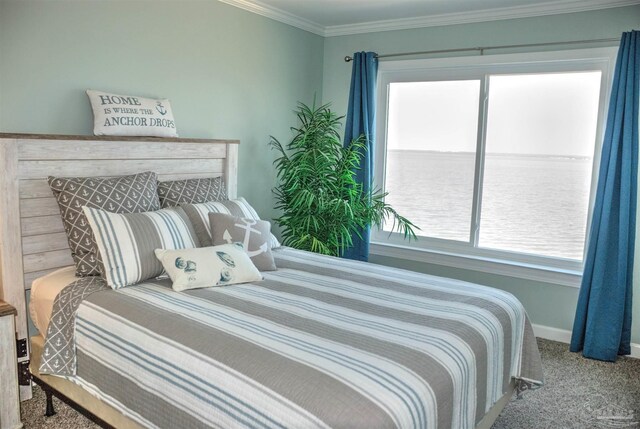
(320,343)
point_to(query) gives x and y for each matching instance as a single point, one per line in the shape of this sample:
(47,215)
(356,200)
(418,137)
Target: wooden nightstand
(9,397)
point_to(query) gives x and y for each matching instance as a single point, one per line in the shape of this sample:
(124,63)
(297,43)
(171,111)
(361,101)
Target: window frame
(466,255)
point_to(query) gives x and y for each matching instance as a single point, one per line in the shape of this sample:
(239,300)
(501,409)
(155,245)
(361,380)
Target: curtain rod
(482,49)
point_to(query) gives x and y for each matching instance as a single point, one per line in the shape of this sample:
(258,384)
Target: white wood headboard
(32,238)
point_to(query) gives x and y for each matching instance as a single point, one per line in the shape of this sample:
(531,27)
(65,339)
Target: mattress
(44,291)
(320,343)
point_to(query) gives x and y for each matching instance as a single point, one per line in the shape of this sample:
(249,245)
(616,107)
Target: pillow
(199,216)
(191,191)
(253,234)
(208,266)
(124,194)
(127,241)
(124,115)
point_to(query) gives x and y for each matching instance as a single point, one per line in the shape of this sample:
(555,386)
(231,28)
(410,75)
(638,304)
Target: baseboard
(553,334)
(564,336)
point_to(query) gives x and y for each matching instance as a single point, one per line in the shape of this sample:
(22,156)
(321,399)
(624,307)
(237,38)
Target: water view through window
(536,183)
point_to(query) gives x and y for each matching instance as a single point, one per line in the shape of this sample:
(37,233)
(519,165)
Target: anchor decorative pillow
(253,234)
(125,115)
(199,216)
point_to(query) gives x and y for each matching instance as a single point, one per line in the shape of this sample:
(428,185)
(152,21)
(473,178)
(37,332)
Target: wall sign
(125,115)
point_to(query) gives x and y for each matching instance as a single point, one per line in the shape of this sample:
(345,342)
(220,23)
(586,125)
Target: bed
(321,342)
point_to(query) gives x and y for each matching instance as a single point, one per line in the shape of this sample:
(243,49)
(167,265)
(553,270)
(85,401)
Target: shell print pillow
(222,265)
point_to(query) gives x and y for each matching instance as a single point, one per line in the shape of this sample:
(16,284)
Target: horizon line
(547,155)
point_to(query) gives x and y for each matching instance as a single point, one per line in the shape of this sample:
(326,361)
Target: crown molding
(550,8)
(277,15)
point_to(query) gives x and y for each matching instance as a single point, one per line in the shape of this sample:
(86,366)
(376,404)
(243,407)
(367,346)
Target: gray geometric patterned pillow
(191,191)
(123,194)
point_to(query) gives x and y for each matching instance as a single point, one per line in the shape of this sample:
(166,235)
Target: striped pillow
(127,242)
(199,217)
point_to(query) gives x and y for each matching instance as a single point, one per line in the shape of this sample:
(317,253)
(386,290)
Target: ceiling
(342,12)
(337,17)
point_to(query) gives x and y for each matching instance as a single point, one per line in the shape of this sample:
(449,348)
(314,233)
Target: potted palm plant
(322,205)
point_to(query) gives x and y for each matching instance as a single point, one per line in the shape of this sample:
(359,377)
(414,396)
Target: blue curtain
(602,326)
(361,118)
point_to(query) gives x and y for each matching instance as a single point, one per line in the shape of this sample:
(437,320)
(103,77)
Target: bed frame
(32,238)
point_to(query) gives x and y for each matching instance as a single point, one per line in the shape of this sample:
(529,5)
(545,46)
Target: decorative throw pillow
(208,266)
(127,241)
(199,216)
(191,191)
(124,115)
(253,234)
(123,194)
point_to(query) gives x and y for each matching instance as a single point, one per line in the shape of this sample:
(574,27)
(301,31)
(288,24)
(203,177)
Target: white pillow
(124,115)
(208,266)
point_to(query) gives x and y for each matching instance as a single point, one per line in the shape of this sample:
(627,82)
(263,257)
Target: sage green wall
(228,73)
(547,304)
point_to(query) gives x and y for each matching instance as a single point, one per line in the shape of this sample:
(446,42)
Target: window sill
(552,275)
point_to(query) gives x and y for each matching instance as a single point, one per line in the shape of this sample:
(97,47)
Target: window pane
(539,153)
(431,144)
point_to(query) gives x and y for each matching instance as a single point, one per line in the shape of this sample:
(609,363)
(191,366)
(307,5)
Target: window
(431,148)
(494,157)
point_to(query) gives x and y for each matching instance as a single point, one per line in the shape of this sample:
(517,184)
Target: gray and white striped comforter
(320,343)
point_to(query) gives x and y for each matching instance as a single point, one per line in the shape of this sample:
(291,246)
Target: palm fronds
(322,204)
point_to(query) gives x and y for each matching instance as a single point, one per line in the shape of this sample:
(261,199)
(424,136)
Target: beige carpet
(66,417)
(578,393)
